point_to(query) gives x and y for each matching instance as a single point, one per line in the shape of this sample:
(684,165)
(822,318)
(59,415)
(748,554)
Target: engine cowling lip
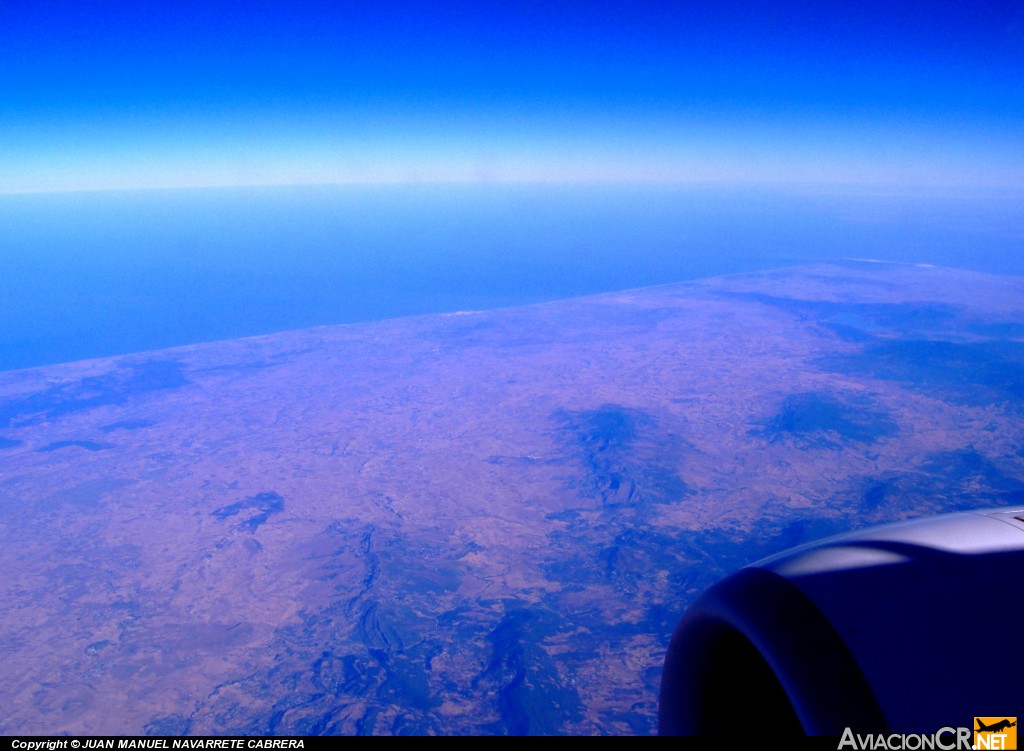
(820,676)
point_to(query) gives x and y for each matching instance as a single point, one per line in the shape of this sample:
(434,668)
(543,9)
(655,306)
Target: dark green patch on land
(532,698)
(173,725)
(87,445)
(866,320)
(823,421)
(84,495)
(949,481)
(126,425)
(863,322)
(258,509)
(978,373)
(933,346)
(115,388)
(625,455)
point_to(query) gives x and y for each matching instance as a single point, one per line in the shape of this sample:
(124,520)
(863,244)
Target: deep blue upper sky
(96,95)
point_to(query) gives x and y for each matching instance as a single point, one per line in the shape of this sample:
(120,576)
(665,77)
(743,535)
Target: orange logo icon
(995,733)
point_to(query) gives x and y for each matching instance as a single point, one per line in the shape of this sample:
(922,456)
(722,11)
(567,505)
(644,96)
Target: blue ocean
(96,274)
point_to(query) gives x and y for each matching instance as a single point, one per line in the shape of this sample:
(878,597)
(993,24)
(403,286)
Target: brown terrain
(481,522)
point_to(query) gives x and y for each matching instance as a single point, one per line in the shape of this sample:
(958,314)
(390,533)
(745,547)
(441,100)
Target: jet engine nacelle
(905,628)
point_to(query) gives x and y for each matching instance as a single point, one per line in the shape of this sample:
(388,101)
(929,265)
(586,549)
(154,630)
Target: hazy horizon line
(837,187)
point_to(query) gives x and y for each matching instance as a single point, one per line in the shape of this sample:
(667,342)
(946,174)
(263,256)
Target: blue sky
(129,95)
